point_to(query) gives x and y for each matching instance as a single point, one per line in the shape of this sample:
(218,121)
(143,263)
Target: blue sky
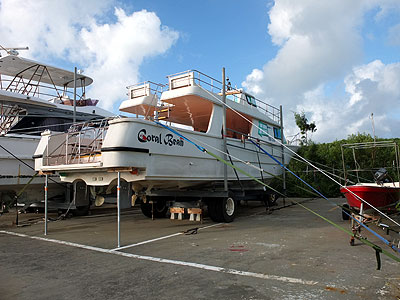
(377,43)
(214,34)
(338,61)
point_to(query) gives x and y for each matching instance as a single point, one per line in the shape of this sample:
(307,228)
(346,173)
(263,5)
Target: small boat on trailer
(156,152)
(382,196)
(365,201)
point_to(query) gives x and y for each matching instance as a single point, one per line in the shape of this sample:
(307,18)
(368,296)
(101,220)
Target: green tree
(328,156)
(304,126)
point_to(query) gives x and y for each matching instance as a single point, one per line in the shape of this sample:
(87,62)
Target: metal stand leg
(355,226)
(119,208)
(16,210)
(45,204)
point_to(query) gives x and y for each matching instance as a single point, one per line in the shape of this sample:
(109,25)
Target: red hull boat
(378,196)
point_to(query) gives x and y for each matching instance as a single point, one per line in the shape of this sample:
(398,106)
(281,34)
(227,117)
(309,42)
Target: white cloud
(47,27)
(371,88)
(321,42)
(117,50)
(255,78)
(111,52)
(385,7)
(318,39)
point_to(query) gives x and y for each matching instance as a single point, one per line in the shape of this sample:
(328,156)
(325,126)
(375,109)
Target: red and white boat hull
(378,196)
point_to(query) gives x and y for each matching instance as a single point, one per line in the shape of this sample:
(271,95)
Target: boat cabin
(193,100)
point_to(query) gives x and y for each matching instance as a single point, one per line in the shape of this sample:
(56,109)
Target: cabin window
(277,133)
(251,100)
(28,125)
(234,98)
(263,129)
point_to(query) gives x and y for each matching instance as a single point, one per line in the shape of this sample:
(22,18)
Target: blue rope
(278,162)
(366,227)
(180,135)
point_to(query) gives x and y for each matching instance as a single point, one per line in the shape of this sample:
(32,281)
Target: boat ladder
(8,117)
(163,113)
(19,85)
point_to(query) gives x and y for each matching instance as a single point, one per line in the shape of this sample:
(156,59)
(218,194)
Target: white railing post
(79,147)
(47,151)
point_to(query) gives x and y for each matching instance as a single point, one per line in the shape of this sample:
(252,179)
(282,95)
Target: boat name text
(168,140)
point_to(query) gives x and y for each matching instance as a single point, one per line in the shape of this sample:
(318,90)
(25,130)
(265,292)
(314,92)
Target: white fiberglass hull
(153,156)
(17,173)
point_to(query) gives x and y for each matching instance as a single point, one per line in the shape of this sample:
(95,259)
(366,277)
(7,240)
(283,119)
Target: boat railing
(9,116)
(193,78)
(361,166)
(197,78)
(245,138)
(36,89)
(271,111)
(150,90)
(80,145)
(294,140)
(146,88)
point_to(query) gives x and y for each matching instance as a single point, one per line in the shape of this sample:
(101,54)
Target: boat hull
(377,196)
(17,173)
(153,157)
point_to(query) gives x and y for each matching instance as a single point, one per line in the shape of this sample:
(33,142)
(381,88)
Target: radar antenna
(12,50)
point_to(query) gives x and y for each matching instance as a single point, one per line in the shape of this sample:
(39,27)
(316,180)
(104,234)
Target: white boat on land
(154,151)
(34,97)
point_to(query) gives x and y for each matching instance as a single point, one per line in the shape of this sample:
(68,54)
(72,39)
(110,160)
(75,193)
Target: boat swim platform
(259,256)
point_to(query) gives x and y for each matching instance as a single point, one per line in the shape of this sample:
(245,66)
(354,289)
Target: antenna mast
(373,126)
(12,50)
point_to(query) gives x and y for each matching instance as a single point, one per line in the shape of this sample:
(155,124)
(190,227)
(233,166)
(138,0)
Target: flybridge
(40,81)
(29,89)
(34,72)
(148,98)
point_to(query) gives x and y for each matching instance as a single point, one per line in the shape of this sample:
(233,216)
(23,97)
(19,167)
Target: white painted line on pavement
(170,261)
(160,238)
(148,241)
